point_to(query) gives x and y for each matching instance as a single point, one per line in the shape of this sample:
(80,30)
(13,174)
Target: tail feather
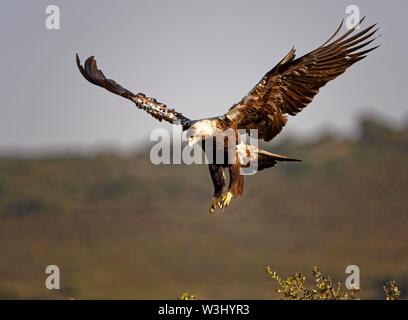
(276,156)
(265,159)
(268,159)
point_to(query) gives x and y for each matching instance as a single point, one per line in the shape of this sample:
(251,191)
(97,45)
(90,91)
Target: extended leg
(218,179)
(236,185)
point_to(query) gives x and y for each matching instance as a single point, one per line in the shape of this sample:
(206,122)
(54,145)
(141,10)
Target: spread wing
(292,84)
(157,110)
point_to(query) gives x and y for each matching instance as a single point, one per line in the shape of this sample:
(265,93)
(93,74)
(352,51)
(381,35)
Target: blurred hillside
(120,227)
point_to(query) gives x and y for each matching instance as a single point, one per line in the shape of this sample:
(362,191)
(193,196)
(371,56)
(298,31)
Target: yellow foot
(226,199)
(215,203)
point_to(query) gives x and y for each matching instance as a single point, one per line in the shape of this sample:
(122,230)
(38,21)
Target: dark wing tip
(88,62)
(85,69)
(78,61)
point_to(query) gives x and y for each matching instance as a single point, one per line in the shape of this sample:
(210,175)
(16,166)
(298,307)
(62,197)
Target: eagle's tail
(268,159)
(275,156)
(265,159)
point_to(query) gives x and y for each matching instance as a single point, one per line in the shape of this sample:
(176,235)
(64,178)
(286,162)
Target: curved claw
(226,199)
(215,203)
(221,202)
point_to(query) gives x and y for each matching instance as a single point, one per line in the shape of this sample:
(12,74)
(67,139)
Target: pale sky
(198,57)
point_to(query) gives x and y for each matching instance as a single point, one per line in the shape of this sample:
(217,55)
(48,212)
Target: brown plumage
(292,84)
(156,109)
(285,90)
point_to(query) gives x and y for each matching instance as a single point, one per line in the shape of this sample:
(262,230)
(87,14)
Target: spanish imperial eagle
(285,90)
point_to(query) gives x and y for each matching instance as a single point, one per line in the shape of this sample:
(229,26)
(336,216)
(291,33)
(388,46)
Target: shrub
(294,288)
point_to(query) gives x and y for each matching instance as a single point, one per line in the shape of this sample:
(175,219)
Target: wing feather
(292,84)
(156,109)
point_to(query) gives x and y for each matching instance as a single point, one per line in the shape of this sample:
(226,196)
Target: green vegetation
(294,288)
(120,227)
(188,296)
(392,291)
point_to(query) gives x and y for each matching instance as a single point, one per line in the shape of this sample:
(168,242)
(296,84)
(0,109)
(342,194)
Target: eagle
(283,91)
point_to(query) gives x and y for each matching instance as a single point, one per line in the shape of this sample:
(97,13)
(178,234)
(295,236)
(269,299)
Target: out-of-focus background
(78,190)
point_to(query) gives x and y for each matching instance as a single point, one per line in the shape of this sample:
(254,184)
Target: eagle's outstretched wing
(291,84)
(157,110)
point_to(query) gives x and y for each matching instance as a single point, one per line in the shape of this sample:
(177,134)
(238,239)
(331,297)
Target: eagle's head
(200,130)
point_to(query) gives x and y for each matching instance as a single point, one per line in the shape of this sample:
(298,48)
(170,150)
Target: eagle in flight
(285,90)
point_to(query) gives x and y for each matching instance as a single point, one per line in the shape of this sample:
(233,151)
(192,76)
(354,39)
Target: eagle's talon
(215,203)
(286,89)
(226,199)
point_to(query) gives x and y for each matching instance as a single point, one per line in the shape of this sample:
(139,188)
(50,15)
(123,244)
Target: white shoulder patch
(246,153)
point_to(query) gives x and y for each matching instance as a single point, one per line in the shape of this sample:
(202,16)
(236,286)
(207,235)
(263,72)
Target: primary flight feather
(285,90)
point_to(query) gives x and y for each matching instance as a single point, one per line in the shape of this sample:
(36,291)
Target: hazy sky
(198,57)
